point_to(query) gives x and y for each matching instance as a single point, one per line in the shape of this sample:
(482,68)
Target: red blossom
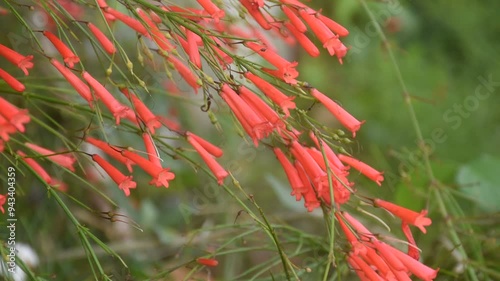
(6,129)
(161,176)
(150,120)
(210,148)
(192,48)
(23,62)
(157,35)
(207,262)
(363,168)
(294,19)
(260,106)
(11,81)
(260,127)
(311,201)
(15,116)
(413,250)
(256,13)
(112,151)
(334,26)
(108,46)
(36,167)
(292,174)
(125,183)
(303,40)
(414,266)
(282,100)
(3,199)
(215,12)
(131,22)
(185,72)
(286,70)
(66,161)
(406,215)
(346,119)
(151,149)
(82,88)
(68,56)
(311,167)
(117,109)
(219,172)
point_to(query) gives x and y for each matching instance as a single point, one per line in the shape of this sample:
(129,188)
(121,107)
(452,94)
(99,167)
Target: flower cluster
(262,100)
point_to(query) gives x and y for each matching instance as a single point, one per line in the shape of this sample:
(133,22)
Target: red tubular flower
(414,266)
(412,245)
(125,183)
(108,46)
(131,22)
(36,167)
(210,148)
(260,106)
(188,13)
(223,58)
(160,175)
(311,201)
(219,172)
(111,151)
(149,119)
(363,233)
(303,40)
(155,17)
(157,36)
(406,215)
(23,62)
(117,109)
(185,72)
(333,26)
(365,268)
(286,70)
(291,173)
(3,199)
(363,168)
(68,56)
(259,126)
(372,258)
(339,179)
(66,161)
(151,149)
(17,117)
(207,262)
(384,251)
(82,88)
(6,128)
(294,19)
(330,155)
(346,119)
(193,50)
(256,13)
(282,100)
(329,40)
(11,81)
(212,9)
(102,4)
(312,168)
(242,119)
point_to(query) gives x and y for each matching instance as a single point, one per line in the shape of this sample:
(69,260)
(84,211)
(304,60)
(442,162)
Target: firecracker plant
(217,54)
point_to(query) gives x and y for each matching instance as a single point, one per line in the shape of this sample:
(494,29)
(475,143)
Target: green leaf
(479,180)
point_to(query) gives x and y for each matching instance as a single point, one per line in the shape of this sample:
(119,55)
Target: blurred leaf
(479,179)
